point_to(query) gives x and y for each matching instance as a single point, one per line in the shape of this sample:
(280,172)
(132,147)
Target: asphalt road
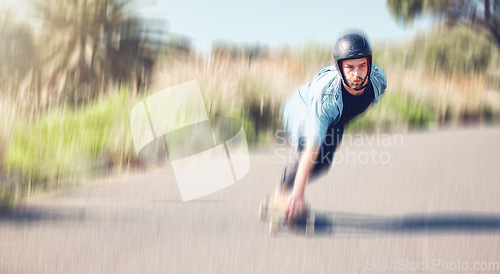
(421,202)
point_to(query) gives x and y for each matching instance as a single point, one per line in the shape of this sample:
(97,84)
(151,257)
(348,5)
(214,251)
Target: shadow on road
(32,215)
(353,225)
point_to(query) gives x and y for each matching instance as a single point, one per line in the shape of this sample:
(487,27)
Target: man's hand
(306,164)
(294,201)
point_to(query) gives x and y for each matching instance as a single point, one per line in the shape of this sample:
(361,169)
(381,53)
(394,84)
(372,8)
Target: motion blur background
(71,70)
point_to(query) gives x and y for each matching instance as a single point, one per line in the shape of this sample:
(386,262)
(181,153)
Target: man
(316,115)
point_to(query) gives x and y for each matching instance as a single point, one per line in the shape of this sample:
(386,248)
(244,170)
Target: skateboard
(274,213)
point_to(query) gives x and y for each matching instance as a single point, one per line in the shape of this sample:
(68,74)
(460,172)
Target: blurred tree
(136,46)
(70,41)
(86,45)
(233,50)
(480,14)
(17,49)
(90,43)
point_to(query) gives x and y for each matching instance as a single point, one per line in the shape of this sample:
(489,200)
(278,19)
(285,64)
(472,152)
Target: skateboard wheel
(310,224)
(273,227)
(263,211)
(306,208)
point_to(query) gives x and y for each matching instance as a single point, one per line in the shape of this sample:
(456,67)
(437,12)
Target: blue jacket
(317,104)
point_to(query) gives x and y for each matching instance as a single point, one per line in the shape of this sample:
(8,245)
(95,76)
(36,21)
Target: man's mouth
(357,81)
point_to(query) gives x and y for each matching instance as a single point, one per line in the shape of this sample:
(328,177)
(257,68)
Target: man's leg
(332,140)
(323,162)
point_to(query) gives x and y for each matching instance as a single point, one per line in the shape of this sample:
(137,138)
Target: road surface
(423,202)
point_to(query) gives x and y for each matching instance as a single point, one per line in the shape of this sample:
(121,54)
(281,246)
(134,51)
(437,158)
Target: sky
(277,23)
(268,22)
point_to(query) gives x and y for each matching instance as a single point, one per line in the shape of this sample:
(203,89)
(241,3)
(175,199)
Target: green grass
(395,110)
(64,145)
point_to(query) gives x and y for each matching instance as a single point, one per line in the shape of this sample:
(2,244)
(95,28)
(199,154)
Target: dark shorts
(324,160)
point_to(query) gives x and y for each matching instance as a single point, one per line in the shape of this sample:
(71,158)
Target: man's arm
(306,165)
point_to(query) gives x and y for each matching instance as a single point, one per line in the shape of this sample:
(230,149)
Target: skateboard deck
(274,213)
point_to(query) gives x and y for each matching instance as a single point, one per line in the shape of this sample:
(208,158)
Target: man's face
(355,72)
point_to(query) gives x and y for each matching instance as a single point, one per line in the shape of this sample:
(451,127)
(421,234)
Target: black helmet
(351,46)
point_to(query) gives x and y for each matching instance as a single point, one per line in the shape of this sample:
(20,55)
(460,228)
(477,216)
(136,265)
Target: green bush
(255,106)
(395,109)
(458,50)
(64,144)
(417,114)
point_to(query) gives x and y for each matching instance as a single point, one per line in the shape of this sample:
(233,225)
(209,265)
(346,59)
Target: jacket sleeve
(379,81)
(322,110)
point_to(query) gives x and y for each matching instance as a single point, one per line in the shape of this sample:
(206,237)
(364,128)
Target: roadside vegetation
(62,128)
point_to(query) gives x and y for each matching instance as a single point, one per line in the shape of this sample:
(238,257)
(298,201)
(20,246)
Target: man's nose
(356,71)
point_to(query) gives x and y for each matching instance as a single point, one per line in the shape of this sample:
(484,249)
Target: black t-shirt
(355,104)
